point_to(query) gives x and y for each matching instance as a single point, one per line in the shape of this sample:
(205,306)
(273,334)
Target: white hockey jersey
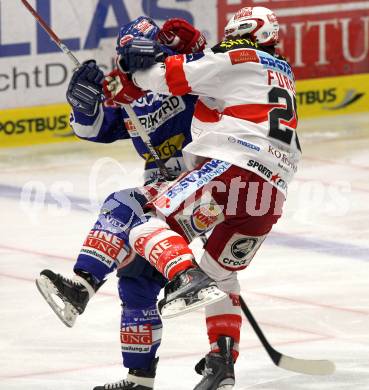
(246,114)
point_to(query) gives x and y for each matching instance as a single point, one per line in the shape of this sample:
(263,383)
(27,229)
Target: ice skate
(217,368)
(67,297)
(188,291)
(137,379)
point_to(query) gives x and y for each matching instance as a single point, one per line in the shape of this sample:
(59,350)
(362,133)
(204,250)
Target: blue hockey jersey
(167,119)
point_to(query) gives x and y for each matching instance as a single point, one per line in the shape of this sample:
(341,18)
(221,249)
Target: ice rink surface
(308,285)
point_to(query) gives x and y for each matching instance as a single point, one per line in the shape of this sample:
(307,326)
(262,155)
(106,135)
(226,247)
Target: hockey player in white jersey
(244,153)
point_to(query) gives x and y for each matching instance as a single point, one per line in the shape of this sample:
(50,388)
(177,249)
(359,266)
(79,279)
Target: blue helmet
(142,27)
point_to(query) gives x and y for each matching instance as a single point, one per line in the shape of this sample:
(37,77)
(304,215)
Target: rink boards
(315,98)
(35,125)
(326,42)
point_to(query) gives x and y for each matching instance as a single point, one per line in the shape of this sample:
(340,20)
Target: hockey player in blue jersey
(167,119)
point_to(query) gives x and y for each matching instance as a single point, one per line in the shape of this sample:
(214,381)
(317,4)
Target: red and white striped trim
(256,113)
(205,114)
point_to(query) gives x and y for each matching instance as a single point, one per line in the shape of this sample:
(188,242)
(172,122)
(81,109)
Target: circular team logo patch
(242,247)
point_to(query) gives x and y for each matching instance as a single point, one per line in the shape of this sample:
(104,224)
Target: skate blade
(206,296)
(226,384)
(67,313)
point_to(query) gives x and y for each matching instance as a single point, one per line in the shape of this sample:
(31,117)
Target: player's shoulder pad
(231,44)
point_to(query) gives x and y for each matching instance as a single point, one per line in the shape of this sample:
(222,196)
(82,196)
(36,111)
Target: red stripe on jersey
(256,113)
(292,124)
(205,114)
(175,76)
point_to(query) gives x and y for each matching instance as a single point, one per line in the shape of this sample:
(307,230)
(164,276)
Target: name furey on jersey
(257,122)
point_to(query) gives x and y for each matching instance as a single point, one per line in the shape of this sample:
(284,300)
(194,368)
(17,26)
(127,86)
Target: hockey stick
(132,115)
(310,367)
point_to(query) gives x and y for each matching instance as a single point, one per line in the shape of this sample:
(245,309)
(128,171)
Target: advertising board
(326,41)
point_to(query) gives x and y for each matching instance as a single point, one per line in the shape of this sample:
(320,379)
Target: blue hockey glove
(85,88)
(139,54)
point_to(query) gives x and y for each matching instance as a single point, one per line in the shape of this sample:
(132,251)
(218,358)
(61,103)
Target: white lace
(117,385)
(72,281)
(78,280)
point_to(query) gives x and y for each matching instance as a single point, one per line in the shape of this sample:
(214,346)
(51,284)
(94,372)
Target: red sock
(224,325)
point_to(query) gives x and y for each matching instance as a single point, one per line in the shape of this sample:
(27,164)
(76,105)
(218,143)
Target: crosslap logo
(242,247)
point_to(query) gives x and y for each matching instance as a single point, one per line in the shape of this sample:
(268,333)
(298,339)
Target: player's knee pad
(106,245)
(141,326)
(122,210)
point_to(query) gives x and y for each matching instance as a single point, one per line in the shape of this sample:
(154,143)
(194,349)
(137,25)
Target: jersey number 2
(277,114)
